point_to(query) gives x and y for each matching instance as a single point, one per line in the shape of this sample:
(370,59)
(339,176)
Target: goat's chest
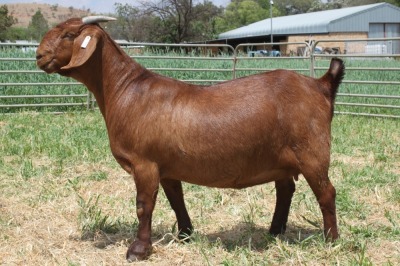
(132,138)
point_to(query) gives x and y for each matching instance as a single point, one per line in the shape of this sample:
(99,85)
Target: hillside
(54,14)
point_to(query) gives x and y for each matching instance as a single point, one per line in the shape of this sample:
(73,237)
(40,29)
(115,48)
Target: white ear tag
(85,42)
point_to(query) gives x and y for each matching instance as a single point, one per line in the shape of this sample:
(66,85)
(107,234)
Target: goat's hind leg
(174,193)
(284,193)
(325,194)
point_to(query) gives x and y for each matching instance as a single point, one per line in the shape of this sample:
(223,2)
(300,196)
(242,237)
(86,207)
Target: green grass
(64,200)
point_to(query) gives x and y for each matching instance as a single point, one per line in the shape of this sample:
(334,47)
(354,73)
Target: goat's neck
(110,73)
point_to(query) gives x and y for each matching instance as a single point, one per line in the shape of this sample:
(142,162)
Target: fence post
(89,101)
(312,59)
(234,66)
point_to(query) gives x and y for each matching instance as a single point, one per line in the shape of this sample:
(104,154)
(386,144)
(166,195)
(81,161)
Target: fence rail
(371,86)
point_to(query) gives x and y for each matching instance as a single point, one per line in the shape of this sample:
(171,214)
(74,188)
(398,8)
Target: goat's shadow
(242,235)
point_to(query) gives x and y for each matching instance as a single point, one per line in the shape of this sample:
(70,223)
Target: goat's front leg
(146,177)
(174,193)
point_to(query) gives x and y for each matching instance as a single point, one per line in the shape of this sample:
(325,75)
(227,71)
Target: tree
(17,33)
(320,6)
(6,21)
(174,16)
(243,12)
(292,7)
(203,26)
(126,25)
(173,21)
(38,26)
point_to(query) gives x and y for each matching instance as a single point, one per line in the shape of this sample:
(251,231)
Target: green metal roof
(351,19)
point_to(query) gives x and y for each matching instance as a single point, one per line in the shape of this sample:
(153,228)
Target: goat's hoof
(139,250)
(277,230)
(184,235)
(331,237)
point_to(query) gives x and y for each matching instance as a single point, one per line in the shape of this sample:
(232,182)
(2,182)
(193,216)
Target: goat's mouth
(46,65)
(49,65)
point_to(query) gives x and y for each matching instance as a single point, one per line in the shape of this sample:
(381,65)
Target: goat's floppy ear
(84,46)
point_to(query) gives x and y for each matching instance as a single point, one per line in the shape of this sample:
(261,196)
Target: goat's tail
(332,79)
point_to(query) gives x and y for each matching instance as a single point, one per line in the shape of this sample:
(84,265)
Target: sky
(99,6)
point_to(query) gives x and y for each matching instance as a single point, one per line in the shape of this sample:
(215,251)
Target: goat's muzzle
(45,63)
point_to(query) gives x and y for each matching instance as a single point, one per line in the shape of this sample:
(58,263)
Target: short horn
(96,19)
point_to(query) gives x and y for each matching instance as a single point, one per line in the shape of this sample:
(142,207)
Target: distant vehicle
(326,50)
(259,53)
(318,50)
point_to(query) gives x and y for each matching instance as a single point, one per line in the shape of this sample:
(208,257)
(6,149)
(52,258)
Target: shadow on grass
(124,234)
(118,233)
(242,235)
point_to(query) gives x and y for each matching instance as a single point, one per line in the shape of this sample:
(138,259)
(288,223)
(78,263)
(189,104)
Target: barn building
(380,20)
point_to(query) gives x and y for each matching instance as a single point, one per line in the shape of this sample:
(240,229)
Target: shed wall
(292,48)
(360,22)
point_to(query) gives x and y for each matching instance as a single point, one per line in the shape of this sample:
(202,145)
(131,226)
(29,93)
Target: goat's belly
(262,178)
(238,180)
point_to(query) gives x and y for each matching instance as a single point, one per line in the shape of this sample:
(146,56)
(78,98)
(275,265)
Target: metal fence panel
(372,82)
(371,86)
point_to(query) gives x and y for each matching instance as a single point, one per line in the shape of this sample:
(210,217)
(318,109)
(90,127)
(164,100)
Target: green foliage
(6,21)
(17,33)
(291,7)
(38,26)
(203,27)
(243,12)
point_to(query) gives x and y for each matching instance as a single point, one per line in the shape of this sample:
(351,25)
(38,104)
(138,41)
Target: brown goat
(240,133)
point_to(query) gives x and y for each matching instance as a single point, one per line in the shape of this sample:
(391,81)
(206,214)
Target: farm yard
(64,200)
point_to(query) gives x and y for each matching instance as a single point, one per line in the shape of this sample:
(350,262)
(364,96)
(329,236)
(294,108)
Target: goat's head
(64,47)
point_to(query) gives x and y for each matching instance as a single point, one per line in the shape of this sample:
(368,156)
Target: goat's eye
(69,35)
